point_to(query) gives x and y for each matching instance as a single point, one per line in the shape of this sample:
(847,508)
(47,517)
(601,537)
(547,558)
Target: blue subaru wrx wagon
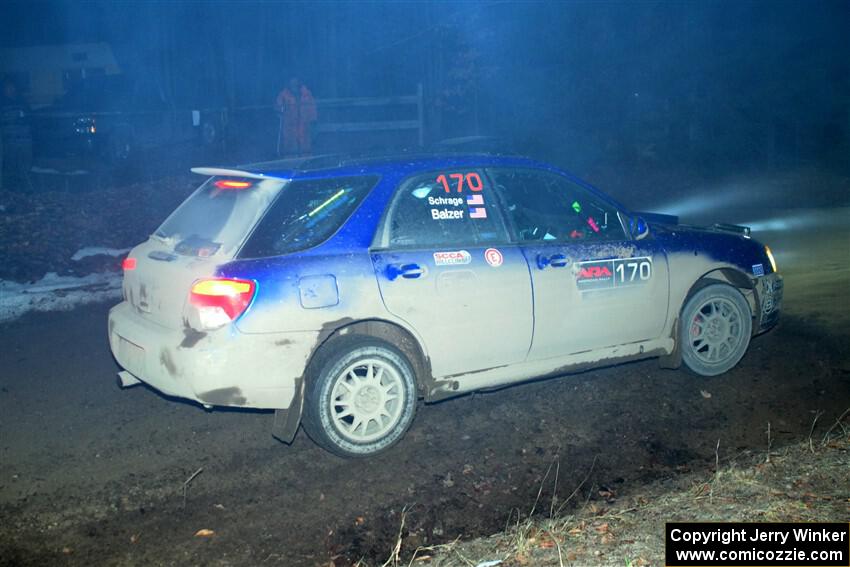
(338,295)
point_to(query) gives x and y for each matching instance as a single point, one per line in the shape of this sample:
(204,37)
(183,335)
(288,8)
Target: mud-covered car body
(477,271)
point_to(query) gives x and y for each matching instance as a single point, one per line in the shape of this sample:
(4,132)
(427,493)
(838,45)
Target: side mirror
(640,228)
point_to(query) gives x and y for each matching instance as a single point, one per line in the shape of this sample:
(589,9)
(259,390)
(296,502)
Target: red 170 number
(472,179)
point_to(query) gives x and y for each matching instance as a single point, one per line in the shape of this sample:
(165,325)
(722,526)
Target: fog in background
(692,84)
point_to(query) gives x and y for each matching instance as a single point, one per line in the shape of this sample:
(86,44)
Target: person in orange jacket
(297,109)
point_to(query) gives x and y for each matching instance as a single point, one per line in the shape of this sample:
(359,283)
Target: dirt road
(91,474)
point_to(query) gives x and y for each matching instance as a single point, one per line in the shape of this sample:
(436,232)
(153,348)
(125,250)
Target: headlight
(85,125)
(771,258)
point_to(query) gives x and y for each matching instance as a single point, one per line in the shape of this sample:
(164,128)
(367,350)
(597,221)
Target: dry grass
(809,481)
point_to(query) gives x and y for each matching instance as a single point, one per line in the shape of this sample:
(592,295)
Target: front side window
(545,206)
(306,213)
(443,208)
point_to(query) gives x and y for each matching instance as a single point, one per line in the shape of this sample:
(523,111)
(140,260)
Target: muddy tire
(716,328)
(362,398)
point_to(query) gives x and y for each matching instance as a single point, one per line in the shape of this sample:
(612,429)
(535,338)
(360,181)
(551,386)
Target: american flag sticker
(476,206)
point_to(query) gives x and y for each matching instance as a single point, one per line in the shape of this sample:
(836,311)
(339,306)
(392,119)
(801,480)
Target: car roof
(336,165)
(331,165)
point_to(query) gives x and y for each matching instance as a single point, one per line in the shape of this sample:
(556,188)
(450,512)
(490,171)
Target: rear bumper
(221,368)
(769,291)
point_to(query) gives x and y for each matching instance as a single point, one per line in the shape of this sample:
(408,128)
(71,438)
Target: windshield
(218,216)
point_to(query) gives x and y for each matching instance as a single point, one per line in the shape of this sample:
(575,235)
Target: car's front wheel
(362,398)
(715,329)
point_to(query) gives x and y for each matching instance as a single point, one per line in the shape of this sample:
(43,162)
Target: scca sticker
(614,273)
(452,258)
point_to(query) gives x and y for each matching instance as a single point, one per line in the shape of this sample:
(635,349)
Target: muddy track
(93,474)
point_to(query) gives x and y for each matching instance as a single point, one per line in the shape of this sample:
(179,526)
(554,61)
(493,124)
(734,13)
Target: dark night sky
(718,71)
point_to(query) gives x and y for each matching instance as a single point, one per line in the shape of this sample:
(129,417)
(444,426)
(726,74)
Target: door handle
(407,271)
(555,260)
(558,261)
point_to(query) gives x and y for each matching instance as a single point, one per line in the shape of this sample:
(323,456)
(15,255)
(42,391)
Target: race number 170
(632,271)
(473,180)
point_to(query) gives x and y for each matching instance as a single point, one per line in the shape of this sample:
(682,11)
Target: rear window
(307,213)
(219,215)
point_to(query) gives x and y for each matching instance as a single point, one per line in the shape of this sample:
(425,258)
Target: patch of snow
(57,293)
(97,251)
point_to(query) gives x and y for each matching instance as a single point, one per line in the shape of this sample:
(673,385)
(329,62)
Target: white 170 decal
(626,271)
(607,274)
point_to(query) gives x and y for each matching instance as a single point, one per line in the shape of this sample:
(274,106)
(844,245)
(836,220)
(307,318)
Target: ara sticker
(452,258)
(758,270)
(494,257)
(615,273)
(476,206)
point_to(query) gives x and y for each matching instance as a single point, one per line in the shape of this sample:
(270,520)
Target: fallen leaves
(609,494)
(41,231)
(547,543)
(204,532)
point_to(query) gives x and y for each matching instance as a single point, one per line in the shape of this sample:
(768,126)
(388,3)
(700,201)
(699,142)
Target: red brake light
(128,264)
(221,300)
(232,184)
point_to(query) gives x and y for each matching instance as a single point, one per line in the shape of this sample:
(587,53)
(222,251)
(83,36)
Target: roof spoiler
(227,172)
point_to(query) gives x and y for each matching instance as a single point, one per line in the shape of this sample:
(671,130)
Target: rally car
(340,294)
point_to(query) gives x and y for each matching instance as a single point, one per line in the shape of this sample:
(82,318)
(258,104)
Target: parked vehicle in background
(113,118)
(339,293)
(15,135)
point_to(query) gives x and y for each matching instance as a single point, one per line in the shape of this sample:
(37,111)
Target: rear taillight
(219,301)
(128,264)
(233,184)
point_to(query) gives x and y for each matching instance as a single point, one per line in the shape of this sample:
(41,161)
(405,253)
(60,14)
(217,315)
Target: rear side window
(448,208)
(306,213)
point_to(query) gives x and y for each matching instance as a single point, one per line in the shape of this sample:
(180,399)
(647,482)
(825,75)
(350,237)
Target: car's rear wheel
(362,399)
(715,331)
